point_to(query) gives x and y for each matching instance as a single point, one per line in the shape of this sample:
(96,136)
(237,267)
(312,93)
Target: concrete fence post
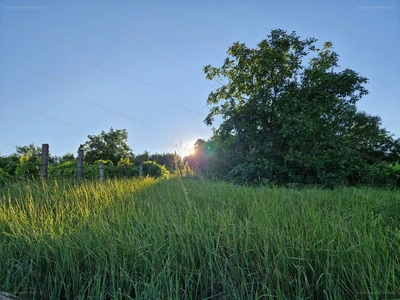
(101,171)
(80,164)
(44,169)
(141,170)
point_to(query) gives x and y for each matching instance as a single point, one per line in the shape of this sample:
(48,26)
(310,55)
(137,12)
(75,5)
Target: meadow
(192,238)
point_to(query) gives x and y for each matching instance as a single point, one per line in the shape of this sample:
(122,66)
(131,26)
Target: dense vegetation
(289,116)
(197,239)
(109,148)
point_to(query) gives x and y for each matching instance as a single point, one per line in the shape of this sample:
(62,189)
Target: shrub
(27,167)
(4,177)
(381,174)
(120,171)
(153,169)
(65,169)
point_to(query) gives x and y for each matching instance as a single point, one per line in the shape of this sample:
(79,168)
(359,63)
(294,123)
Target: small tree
(31,150)
(108,146)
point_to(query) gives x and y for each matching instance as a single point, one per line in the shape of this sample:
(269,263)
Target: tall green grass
(196,239)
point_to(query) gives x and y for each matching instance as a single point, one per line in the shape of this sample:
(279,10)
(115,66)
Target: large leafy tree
(289,113)
(107,146)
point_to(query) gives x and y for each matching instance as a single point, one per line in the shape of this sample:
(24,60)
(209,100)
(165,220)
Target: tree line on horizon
(110,148)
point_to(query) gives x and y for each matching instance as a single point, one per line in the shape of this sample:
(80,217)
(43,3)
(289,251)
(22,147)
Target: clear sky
(73,68)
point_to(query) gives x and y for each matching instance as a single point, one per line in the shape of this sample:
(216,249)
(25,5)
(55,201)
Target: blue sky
(70,69)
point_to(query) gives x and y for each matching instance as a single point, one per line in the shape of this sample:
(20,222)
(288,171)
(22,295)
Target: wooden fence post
(44,169)
(80,164)
(101,171)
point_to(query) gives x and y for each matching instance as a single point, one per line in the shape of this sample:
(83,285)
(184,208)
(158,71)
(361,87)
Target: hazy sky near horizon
(72,69)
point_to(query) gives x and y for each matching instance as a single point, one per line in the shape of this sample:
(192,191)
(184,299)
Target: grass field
(189,238)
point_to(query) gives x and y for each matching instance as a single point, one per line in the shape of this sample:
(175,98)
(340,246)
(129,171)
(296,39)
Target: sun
(188,151)
(188,148)
(184,149)
(192,151)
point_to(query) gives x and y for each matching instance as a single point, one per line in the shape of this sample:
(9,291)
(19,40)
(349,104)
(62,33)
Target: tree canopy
(31,150)
(107,146)
(289,114)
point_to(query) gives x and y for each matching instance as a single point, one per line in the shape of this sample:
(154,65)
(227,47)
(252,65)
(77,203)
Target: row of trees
(289,116)
(108,147)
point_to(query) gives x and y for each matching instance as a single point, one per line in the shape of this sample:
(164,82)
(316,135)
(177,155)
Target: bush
(68,169)
(153,169)
(28,167)
(9,164)
(395,172)
(120,171)
(252,173)
(65,169)
(4,177)
(380,175)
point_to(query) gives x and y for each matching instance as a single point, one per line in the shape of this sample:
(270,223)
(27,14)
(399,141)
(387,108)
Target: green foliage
(28,166)
(288,121)
(375,144)
(153,169)
(169,160)
(31,150)
(249,172)
(61,159)
(124,169)
(145,156)
(124,161)
(66,169)
(378,174)
(9,164)
(396,169)
(108,146)
(4,177)
(25,163)
(121,171)
(106,162)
